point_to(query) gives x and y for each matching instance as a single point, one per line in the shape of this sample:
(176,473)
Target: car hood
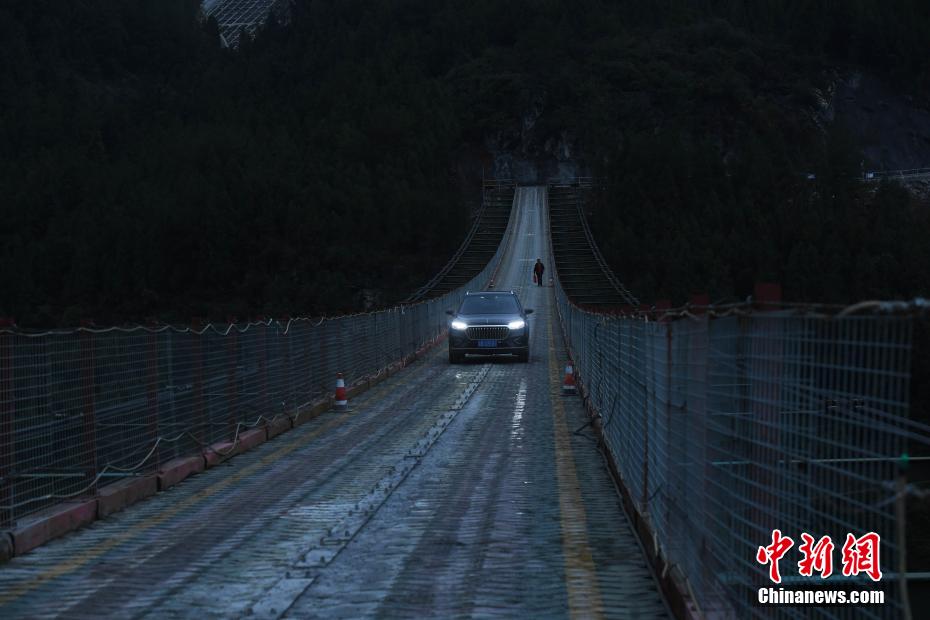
(488,319)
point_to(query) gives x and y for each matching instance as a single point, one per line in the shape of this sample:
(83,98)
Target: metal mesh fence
(725,426)
(234,16)
(83,407)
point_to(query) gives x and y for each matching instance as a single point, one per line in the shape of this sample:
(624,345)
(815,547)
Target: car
(489,323)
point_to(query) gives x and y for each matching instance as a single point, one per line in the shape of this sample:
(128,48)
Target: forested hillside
(708,127)
(146,171)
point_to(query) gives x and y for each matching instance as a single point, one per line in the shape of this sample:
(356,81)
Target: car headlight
(459,325)
(518,324)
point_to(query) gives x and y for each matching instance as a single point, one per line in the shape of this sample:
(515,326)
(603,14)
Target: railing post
(286,368)
(7,427)
(232,383)
(767,295)
(87,343)
(764,377)
(263,366)
(701,471)
(151,390)
(648,389)
(200,421)
(662,307)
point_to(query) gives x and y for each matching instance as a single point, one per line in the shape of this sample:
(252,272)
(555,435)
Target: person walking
(538,270)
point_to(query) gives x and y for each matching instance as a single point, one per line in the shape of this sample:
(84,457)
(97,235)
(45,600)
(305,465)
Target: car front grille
(488,332)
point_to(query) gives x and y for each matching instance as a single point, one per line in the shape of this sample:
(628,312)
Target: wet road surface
(445,491)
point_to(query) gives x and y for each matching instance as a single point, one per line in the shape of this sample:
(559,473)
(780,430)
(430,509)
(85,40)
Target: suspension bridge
(234,17)
(200,471)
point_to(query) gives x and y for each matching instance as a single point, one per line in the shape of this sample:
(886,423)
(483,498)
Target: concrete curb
(117,496)
(176,470)
(51,523)
(220,452)
(280,424)
(6,547)
(252,439)
(66,517)
(315,410)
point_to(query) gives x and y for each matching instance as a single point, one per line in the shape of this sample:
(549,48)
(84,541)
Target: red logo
(860,555)
(817,557)
(774,552)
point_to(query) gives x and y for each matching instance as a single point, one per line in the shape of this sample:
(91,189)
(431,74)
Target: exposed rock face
(893,129)
(920,188)
(534,152)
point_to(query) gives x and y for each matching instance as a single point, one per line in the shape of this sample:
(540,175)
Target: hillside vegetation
(145,171)
(707,129)
(148,172)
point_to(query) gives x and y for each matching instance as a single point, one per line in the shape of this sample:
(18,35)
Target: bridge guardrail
(488,187)
(724,423)
(912,173)
(86,406)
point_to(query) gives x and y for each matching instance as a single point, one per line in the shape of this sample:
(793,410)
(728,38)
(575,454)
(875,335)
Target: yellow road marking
(584,596)
(83,557)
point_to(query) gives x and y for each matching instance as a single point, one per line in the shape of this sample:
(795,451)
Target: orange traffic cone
(568,386)
(340,402)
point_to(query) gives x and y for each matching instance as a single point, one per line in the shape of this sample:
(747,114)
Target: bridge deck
(234,15)
(479,247)
(585,276)
(410,503)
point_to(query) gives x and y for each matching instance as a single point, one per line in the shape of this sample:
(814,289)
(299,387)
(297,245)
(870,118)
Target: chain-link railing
(903,175)
(80,408)
(725,424)
(233,17)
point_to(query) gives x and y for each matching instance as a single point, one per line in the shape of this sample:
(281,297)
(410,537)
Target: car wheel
(524,356)
(454,357)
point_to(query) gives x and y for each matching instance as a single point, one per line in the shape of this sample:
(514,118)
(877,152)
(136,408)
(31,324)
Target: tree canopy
(147,171)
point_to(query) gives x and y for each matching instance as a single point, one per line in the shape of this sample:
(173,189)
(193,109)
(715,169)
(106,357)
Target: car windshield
(490,304)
